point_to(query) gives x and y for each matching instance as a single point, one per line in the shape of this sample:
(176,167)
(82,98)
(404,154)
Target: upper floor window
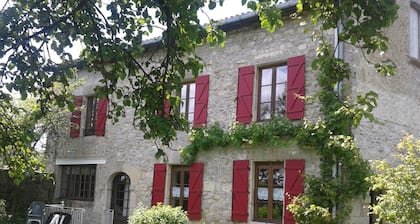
(194,101)
(188,101)
(269,192)
(279,91)
(91,111)
(272,92)
(94,114)
(414,30)
(78,182)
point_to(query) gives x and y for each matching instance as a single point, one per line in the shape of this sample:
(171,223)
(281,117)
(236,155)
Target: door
(120,197)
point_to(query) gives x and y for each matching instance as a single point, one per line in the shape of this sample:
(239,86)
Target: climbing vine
(275,132)
(343,171)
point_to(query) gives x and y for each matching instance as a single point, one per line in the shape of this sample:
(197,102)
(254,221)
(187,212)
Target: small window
(78,182)
(188,102)
(91,112)
(272,92)
(180,186)
(269,192)
(414,30)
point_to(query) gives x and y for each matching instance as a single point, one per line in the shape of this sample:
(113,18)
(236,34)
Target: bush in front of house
(158,214)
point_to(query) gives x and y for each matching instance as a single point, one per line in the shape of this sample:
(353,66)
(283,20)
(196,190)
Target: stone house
(102,165)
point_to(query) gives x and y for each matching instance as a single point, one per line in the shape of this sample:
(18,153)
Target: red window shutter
(76,117)
(158,188)
(101,117)
(196,188)
(167,108)
(293,185)
(295,87)
(240,191)
(245,94)
(201,100)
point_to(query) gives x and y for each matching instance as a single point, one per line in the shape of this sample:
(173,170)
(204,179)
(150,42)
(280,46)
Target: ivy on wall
(275,132)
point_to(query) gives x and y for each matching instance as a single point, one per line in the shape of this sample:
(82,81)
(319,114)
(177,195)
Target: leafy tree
(23,126)
(399,184)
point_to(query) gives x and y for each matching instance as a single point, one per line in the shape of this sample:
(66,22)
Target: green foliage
(276,132)
(399,184)
(3,214)
(158,214)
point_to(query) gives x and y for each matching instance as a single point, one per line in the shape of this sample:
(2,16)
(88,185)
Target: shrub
(158,214)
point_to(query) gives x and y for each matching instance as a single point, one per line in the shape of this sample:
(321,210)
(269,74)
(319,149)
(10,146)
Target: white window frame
(414,30)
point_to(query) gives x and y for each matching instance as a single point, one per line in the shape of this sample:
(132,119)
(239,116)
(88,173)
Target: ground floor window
(269,192)
(78,182)
(180,186)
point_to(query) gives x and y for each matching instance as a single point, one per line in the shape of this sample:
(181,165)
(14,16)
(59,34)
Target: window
(279,93)
(188,102)
(414,30)
(272,92)
(269,192)
(96,111)
(275,186)
(78,182)
(91,108)
(185,189)
(180,187)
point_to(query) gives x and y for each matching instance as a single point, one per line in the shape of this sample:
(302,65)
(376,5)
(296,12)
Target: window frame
(270,202)
(187,113)
(183,183)
(74,185)
(91,115)
(273,85)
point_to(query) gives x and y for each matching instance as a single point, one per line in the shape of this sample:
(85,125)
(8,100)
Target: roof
(234,22)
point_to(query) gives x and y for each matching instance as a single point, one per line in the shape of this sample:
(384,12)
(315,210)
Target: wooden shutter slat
(293,186)
(195,191)
(295,87)
(240,191)
(158,187)
(101,117)
(245,94)
(76,117)
(201,100)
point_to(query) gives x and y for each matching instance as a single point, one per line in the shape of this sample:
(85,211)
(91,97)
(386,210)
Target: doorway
(120,198)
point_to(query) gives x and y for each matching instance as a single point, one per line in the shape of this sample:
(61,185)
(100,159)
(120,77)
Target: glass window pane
(263,177)
(177,179)
(262,210)
(266,76)
(182,107)
(191,105)
(190,118)
(265,111)
(265,94)
(277,210)
(278,177)
(184,92)
(281,74)
(192,90)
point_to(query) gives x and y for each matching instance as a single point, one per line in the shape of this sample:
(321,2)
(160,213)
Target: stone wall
(124,149)
(399,98)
